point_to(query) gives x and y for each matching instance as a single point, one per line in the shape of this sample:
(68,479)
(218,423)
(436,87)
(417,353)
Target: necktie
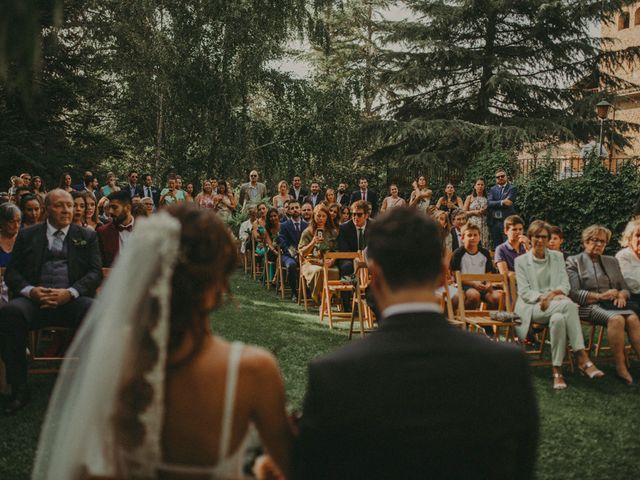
(297,226)
(360,239)
(58,237)
(122,228)
(148,194)
(364,195)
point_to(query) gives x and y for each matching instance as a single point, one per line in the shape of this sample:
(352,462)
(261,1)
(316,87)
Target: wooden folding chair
(331,288)
(282,281)
(541,332)
(478,320)
(303,288)
(359,303)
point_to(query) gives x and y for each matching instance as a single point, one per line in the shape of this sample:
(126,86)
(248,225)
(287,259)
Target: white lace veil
(123,338)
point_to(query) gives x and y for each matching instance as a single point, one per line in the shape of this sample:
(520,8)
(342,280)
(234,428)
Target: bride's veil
(105,415)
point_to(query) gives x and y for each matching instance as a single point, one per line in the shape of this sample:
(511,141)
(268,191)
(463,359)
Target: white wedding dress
(79,437)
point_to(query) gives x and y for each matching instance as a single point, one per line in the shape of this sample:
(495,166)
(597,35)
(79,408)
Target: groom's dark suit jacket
(83,257)
(419,399)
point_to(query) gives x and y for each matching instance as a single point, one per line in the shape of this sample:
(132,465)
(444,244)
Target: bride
(152,393)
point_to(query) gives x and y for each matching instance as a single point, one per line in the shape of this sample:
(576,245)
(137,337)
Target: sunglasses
(500,176)
(357,214)
(253,176)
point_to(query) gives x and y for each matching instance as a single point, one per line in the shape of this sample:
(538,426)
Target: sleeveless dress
(205,201)
(478,203)
(230,464)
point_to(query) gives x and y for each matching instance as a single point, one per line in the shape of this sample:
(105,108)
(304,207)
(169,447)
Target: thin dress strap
(229,398)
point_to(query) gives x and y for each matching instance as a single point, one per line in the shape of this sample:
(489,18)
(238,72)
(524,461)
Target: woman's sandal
(594,373)
(558,382)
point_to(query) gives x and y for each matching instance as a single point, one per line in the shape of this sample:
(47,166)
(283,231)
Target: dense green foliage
(596,196)
(589,431)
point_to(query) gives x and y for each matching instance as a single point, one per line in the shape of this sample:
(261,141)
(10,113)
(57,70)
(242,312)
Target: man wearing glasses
(253,191)
(502,198)
(354,234)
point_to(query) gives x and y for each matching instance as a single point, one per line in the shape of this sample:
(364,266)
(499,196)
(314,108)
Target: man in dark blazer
(54,271)
(354,234)
(297,191)
(290,232)
(404,401)
(501,204)
(342,197)
(315,196)
(133,188)
(113,235)
(149,190)
(365,194)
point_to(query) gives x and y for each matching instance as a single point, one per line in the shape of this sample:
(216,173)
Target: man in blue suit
(502,199)
(289,238)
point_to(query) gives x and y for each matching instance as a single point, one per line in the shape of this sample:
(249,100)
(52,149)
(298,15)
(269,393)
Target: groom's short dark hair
(407,246)
(121,196)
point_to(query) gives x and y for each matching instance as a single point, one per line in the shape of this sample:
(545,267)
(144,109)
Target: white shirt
(125,234)
(51,230)
(473,264)
(411,307)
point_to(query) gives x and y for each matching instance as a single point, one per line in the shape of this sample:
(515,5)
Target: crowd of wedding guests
(54,245)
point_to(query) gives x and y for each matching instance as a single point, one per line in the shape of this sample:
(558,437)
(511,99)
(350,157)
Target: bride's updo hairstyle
(207,257)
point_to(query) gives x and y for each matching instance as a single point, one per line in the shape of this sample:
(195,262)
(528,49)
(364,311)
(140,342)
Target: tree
(467,73)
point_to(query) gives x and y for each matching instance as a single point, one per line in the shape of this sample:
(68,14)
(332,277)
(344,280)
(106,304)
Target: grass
(589,431)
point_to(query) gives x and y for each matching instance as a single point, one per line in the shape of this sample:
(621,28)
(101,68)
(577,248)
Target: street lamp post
(602,110)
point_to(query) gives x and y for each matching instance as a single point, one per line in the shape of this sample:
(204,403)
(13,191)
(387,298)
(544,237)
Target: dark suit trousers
(497,232)
(22,315)
(291,264)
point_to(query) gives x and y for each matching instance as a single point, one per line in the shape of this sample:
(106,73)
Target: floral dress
(479,203)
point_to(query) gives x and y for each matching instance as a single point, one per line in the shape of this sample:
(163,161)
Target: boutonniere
(79,242)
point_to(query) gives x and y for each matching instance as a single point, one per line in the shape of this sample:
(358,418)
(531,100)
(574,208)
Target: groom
(54,271)
(418,398)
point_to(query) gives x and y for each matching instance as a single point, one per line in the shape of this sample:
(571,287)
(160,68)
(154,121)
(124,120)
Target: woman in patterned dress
(476,207)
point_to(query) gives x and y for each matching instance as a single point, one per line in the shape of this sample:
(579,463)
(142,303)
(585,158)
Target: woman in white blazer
(543,289)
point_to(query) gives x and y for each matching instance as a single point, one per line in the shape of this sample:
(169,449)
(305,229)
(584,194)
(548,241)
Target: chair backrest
(329,256)
(513,290)
(500,278)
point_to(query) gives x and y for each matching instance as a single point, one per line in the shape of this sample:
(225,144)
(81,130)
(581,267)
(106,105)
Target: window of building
(623,21)
(637,19)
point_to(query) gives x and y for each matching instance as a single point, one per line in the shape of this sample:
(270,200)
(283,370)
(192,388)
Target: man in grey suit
(252,191)
(396,404)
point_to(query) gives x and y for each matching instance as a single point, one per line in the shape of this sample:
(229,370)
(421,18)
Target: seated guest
(442,218)
(365,194)
(79,208)
(629,258)
(458,220)
(597,285)
(53,273)
(354,234)
(290,233)
(393,200)
(148,204)
(543,286)
(334,211)
(315,196)
(10,218)
(306,211)
(345,214)
(114,235)
(556,241)
(450,201)
(31,209)
(271,235)
(395,405)
(139,210)
(317,239)
(246,227)
(91,219)
(515,245)
(473,259)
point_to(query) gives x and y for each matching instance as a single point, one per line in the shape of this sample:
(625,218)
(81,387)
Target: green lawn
(591,430)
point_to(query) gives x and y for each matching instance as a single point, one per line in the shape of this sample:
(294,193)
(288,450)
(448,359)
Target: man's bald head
(59,207)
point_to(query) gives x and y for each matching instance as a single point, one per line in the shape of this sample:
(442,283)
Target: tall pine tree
(468,72)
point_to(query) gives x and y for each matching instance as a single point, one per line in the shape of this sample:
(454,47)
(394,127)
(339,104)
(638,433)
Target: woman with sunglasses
(598,286)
